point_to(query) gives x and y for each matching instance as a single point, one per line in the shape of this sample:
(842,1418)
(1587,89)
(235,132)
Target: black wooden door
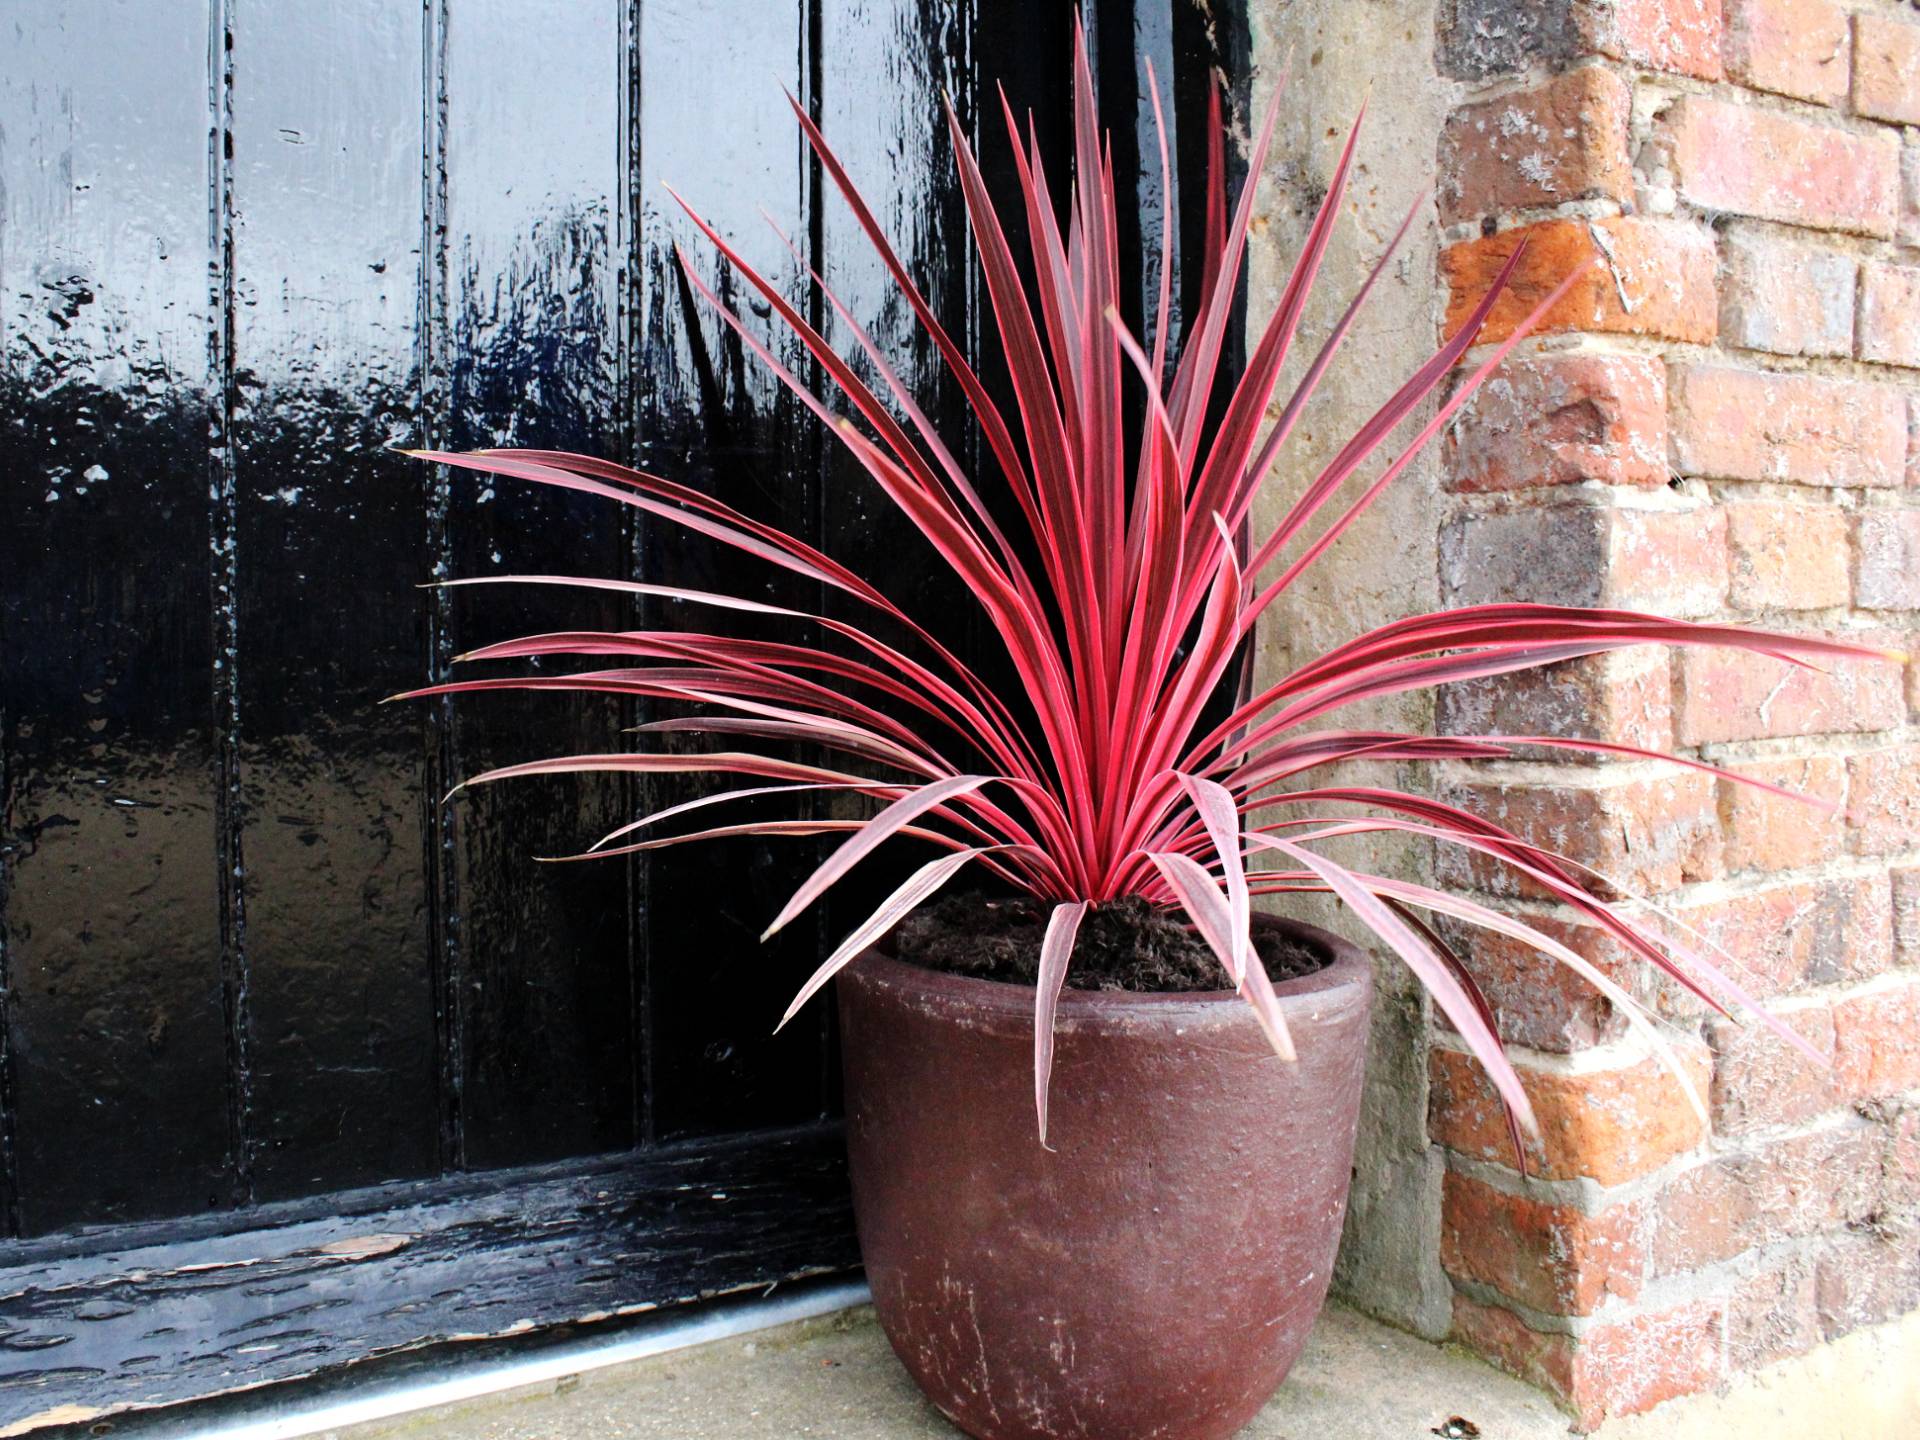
(268,1007)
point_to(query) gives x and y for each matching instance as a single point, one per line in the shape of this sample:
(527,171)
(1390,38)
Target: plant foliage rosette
(1122,599)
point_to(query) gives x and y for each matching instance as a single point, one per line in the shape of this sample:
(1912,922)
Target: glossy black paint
(118,1071)
(148,1316)
(325,242)
(723,136)
(530,149)
(247,953)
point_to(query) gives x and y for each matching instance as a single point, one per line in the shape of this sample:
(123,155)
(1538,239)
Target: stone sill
(835,1377)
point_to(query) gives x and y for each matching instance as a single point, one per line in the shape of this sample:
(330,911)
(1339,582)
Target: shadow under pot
(1157,1271)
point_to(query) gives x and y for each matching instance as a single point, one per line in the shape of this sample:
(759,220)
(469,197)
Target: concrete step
(835,1377)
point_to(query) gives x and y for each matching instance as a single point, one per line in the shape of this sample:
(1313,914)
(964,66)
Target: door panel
(714,124)
(542,954)
(331,537)
(117,1099)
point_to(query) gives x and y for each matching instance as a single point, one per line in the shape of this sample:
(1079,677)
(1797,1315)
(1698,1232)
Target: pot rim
(1349,969)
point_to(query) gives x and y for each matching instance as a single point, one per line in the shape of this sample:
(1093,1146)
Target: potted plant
(1100,1121)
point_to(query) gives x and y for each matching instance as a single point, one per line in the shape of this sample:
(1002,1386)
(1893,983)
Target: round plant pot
(1154,1273)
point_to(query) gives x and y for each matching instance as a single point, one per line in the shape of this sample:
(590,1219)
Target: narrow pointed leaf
(1056,948)
(917,889)
(871,835)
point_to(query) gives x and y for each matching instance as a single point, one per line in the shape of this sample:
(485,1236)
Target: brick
(1889,314)
(1609,1125)
(1887,560)
(1764,831)
(1623,698)
(1766,163)
(1723,694)
(1793,1187)
(1785,296)
(1786,557)
(1673,562)
(1909,233)
(1549,1257)
(1634,1365)
(1536,1000)
(1773,1314)
(1670,561)
(1738,424)
(1868,1277)
(1883,800)
(1565,140)
(1801,48)
(1886,69)
(1649,834)
(1760,1080)
(1478,39)
(1876,1041)
(1905,880)
(1900,1166)
(1551,556)
(1542,1358)
(1662,269)
(1682,36)
(1617,1369)
(1913,440)
(1562,419)
(1797,933)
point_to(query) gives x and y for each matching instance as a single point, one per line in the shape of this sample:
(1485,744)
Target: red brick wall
(1722,420)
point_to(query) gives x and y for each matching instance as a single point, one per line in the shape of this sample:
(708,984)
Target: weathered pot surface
(1156,1272)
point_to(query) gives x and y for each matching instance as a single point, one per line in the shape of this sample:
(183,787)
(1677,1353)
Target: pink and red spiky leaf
(1120,609)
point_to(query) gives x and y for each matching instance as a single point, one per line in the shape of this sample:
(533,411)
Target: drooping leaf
(915,891)
(1056,948)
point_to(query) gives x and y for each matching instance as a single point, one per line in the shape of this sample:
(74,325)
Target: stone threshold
(834,1376)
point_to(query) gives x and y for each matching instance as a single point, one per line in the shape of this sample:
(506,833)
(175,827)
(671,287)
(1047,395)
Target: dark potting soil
(1122,945)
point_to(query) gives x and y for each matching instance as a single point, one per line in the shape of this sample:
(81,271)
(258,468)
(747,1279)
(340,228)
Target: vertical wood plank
(714,123)
(884,67)
(113,928)
(327,119)
(532,176)
(1125,36)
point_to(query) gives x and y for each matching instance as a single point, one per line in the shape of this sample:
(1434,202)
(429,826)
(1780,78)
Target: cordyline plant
(1131,585)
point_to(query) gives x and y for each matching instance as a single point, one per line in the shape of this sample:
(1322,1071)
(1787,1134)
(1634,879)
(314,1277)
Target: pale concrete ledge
(835,1377)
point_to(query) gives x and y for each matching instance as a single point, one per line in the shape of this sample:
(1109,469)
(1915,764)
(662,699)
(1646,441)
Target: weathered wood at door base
(144,1315)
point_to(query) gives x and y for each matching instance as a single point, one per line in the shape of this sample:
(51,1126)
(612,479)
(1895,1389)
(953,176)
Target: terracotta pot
(1155,1273)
